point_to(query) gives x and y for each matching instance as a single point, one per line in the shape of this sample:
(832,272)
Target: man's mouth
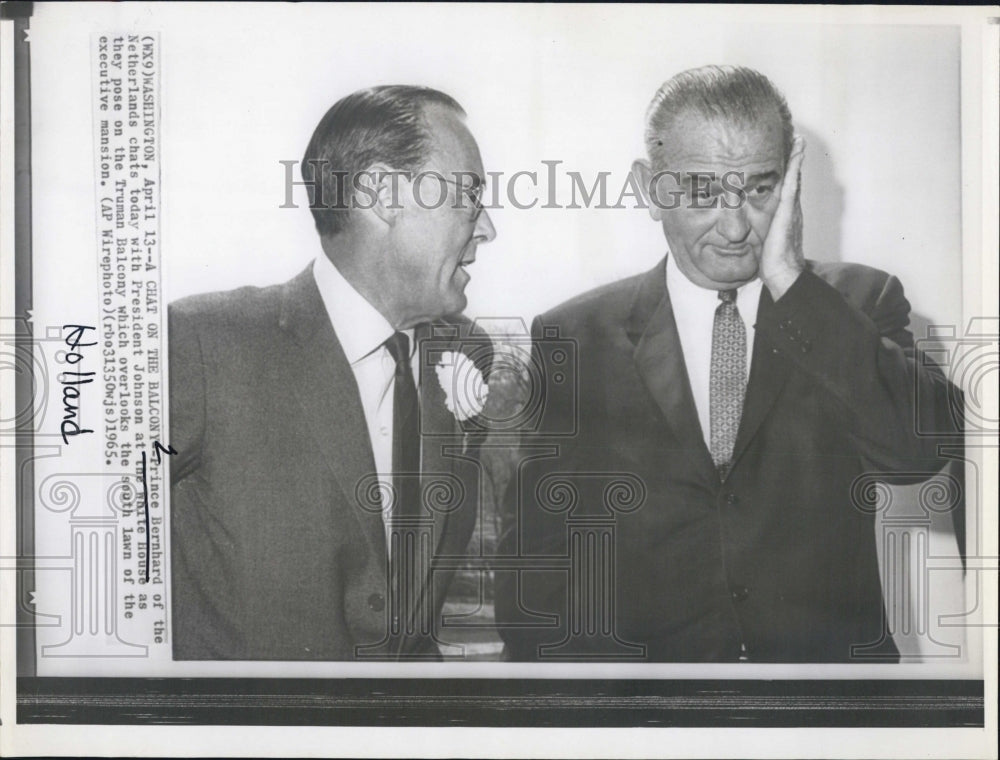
(740,250)
(462,267)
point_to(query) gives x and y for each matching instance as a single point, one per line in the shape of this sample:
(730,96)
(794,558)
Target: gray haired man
(747,389)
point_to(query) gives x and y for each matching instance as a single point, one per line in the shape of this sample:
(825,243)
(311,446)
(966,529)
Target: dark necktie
(728,382)
(405,431)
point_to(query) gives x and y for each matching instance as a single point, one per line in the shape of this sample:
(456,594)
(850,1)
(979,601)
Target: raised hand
(782,260)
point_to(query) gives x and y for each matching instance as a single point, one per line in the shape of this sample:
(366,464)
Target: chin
(734,271)
(453,303)
(460,303)
(737,278)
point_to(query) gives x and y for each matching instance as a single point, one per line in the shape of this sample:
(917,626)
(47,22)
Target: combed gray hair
(379,124)
(734,94)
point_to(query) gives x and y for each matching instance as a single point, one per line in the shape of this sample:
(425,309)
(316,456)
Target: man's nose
(733,223)
(484,232)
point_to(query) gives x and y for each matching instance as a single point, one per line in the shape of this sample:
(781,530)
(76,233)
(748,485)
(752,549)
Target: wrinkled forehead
(693,142)
(453,149)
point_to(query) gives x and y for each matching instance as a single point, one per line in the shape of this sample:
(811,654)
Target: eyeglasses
(475,195)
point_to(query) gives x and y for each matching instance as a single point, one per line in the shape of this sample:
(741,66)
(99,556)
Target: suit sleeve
(897,403)
(187,393)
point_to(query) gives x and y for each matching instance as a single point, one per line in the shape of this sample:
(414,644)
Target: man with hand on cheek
(748,389)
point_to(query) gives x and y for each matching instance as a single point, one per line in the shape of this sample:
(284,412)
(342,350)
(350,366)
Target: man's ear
(379,189)
(643,174)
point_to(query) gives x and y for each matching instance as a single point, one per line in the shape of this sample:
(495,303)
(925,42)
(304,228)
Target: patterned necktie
(405,430)
(728,382)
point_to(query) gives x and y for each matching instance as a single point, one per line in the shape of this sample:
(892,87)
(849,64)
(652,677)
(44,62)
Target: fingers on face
(798,154)
(793,171)
(795,164)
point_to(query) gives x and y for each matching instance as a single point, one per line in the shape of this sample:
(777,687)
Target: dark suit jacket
(778,559)
(278,547)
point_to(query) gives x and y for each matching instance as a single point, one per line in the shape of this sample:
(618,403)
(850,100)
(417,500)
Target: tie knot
(727,296)
(399,347)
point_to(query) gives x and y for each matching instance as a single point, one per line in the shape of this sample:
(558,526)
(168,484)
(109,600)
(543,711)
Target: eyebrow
(687,178)
(754,178)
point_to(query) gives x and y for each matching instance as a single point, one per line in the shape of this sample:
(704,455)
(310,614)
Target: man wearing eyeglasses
(311,430)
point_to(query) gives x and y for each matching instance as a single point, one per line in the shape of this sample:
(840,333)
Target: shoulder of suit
(611,301)
(859,284)
(241,310)
(842,274)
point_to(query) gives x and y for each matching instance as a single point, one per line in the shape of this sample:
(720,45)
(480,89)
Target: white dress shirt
(694,312)
(362,332)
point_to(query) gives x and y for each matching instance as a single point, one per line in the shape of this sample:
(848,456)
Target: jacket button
(376,602)
(740,593)
(731,498)
(806,345)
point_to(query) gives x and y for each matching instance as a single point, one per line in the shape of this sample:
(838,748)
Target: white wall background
(244,88)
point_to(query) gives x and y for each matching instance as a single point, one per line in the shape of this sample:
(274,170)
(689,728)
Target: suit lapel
(439,428)
(328,394)
(659,361)
(769,372)
(439,431)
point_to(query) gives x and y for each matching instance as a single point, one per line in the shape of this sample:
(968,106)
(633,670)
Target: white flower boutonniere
(465,388)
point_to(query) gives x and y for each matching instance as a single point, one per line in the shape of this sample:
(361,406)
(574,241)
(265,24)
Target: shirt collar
(360,327)
(683,291)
